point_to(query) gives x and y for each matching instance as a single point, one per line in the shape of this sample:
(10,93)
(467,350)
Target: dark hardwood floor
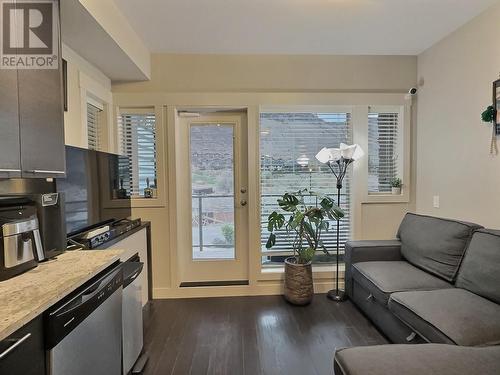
(251,335)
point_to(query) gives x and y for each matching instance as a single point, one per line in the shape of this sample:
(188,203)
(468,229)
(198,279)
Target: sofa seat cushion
(451,316)
(434,244)
(417,360)
(384,278)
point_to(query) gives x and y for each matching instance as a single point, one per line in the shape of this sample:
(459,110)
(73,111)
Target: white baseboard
(233,291)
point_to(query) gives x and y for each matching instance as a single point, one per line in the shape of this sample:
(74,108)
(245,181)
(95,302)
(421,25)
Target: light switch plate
(435,201)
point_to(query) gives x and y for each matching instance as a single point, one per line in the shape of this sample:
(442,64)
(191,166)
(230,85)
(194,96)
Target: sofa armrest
(368,251)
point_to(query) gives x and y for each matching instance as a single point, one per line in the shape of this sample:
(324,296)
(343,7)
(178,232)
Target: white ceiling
(386,27)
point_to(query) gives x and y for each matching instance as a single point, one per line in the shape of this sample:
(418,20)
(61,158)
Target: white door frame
(212,270)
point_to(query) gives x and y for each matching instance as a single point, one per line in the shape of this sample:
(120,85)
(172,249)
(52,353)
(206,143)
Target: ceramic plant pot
(396,191)
(299,289)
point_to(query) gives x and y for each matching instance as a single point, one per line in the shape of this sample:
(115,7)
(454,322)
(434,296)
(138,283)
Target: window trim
(95,93)
(404,111)
(161,143)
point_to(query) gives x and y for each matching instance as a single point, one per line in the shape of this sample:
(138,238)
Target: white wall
(453,158)
(84,79)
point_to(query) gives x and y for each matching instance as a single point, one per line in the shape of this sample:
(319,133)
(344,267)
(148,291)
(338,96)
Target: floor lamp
(339,160)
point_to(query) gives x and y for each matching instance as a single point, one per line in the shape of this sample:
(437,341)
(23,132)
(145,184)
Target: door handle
(6,352)
(243,202)
(45,171)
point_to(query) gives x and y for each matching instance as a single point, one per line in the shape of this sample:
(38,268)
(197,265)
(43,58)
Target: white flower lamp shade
(348,152)
(352,152)
(326,155)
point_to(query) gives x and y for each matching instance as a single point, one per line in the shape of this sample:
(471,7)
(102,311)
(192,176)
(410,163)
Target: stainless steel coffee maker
(20,243)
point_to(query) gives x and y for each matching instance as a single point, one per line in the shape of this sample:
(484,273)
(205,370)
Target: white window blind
(94,126)
(289,143)
(137,133)
(383,150)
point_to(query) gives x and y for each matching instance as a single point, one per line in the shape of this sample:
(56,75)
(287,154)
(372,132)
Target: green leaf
(314,213)
(308,227)
(327,203)
(271,241)
(275,221)
(280,220)
(333,211)
(289,202)
(324,225)
(296,219)
(489,114)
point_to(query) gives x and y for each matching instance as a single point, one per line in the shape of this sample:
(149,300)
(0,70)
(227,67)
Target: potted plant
(307,223)
(396,185)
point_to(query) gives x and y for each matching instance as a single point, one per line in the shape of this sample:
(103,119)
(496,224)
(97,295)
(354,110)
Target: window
(94,125)
(212,185)
(137,133)
(384,150)
(289,143)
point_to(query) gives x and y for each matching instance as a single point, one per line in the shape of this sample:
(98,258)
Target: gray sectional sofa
(439,282)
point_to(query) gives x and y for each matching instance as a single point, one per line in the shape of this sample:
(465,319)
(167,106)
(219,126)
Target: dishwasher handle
(98,288)
(131,270)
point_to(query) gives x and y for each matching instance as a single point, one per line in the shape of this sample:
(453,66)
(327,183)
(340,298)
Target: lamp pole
(339,171)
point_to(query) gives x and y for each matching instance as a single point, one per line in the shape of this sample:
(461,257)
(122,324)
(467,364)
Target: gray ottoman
(423,359)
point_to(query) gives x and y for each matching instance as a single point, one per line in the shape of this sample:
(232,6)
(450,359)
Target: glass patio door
(216,226)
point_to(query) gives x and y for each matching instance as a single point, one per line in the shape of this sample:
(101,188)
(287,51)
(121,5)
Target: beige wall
(453,143)
(251,81)
(260,73)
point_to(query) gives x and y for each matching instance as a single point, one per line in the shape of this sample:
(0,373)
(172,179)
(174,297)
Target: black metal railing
(203,215)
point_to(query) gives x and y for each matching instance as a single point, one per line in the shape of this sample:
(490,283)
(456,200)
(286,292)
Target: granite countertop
(26,296)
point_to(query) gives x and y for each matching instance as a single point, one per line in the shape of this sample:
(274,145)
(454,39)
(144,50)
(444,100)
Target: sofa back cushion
(435,245)
(480,269)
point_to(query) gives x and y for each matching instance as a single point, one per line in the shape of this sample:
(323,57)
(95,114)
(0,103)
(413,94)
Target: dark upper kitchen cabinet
(23,352)
(31,115)
(41,123)
(10,151)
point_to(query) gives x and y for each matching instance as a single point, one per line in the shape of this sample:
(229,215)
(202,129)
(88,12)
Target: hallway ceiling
(359,27)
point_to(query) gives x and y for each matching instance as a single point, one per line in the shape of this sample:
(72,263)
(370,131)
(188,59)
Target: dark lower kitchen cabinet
(23,352)
(31,115)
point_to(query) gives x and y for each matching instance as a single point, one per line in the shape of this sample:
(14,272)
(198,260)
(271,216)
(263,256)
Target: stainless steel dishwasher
(84,331)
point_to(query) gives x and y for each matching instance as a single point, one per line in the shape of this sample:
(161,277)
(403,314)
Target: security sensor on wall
(411,93)
(414,90)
